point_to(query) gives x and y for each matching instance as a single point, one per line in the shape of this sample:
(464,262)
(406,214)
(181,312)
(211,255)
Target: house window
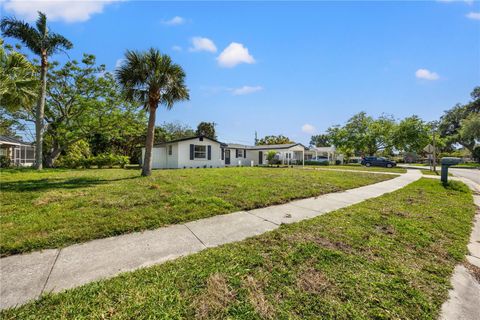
(170,150)
(200,152)
(240,153)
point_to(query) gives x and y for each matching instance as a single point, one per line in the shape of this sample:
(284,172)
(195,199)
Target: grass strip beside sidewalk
(386,258)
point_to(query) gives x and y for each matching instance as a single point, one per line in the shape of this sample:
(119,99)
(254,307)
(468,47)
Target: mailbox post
(447,162)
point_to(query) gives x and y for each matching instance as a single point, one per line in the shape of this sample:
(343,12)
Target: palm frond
(22,31)
(41,24)
(56,42)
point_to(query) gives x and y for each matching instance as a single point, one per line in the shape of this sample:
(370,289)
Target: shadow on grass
(48,184)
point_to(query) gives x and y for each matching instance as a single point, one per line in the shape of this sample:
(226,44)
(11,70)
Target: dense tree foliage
(453,121)
(280,139)
(206,129)
(320,140)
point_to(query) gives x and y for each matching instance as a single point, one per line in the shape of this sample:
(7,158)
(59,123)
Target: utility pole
(256,139)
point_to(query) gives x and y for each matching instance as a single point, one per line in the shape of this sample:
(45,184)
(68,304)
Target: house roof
(324,149)
(186,139)
(13,141)
(276,146)
(264,146)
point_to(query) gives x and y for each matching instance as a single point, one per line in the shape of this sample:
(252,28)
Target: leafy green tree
(363,134)
(271,156)
(150,78)
(411,135)
(470,128)
(18,84)
(280,139)
(82,100)
(169,131)
(206,129)
(43,43)
(320,140)
(451,123)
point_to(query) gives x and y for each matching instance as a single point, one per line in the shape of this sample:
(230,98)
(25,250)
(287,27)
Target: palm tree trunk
(39,113)
(147,161)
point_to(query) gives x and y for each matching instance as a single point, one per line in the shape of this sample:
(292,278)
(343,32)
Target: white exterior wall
(242,161)
(172,160)
(158,157)
(184,154)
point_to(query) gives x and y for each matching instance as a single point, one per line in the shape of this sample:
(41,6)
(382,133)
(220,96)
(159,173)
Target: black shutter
(222,150)
(192,151)
(209,152)
(244,153)
(236,153)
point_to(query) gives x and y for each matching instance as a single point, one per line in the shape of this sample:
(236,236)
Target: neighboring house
(203,152)
(193,152)
(20,153)
(329,152)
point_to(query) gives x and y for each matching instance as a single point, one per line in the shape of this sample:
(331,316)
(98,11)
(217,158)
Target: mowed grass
(363,168)
(385,258)
(54,208)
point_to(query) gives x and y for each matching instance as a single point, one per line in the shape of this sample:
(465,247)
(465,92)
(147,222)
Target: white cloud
(473,15)
(203,44)
(56,10)
(426,74)
(308,128)
(246,90)
(175,21)
(177,48)
(234,54)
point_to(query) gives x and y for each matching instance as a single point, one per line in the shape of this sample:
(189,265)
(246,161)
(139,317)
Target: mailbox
(447,162)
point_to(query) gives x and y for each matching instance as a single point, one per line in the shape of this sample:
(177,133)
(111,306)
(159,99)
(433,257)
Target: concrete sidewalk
(26,277)
(464,297)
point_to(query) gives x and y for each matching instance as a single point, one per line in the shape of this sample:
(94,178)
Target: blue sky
(287,67)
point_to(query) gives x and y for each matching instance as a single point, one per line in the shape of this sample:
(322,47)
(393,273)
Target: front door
(260,157)
(227,156)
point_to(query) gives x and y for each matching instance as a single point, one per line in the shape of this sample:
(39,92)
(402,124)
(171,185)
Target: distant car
(378,162)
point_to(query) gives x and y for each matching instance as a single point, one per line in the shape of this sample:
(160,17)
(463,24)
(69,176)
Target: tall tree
(206,129)
(320,140)
(451,122)
(280,139)
(43,43)
(411,135)
(150,79)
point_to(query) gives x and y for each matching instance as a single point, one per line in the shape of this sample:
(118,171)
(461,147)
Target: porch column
(303,158)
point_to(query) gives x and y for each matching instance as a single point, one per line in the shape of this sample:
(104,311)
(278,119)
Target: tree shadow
(49,184)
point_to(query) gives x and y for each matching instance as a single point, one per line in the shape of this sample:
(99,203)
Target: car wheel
(389,165)
(368,164)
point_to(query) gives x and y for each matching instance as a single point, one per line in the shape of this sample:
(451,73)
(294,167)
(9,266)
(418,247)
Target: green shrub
(5,162)
(316,163)
(109,160)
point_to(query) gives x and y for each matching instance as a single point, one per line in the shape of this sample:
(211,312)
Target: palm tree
(150,79)
(43,43)
(18,84)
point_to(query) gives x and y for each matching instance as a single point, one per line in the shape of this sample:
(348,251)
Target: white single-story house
(20,153)
(204,152)
(329,153)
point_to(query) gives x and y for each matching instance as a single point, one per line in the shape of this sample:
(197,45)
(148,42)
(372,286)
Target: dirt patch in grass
(257,298)
(312,281)
(213,302)
(319,240)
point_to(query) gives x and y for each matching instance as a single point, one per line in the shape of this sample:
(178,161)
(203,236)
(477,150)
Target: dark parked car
(378,162)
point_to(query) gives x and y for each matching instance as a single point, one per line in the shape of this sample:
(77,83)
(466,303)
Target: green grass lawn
(360,167)
(54,208)
(472,165)
(385,258)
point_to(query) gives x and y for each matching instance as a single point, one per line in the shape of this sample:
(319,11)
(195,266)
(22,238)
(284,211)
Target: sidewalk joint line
(261,218)
(203,244)
(50,273)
